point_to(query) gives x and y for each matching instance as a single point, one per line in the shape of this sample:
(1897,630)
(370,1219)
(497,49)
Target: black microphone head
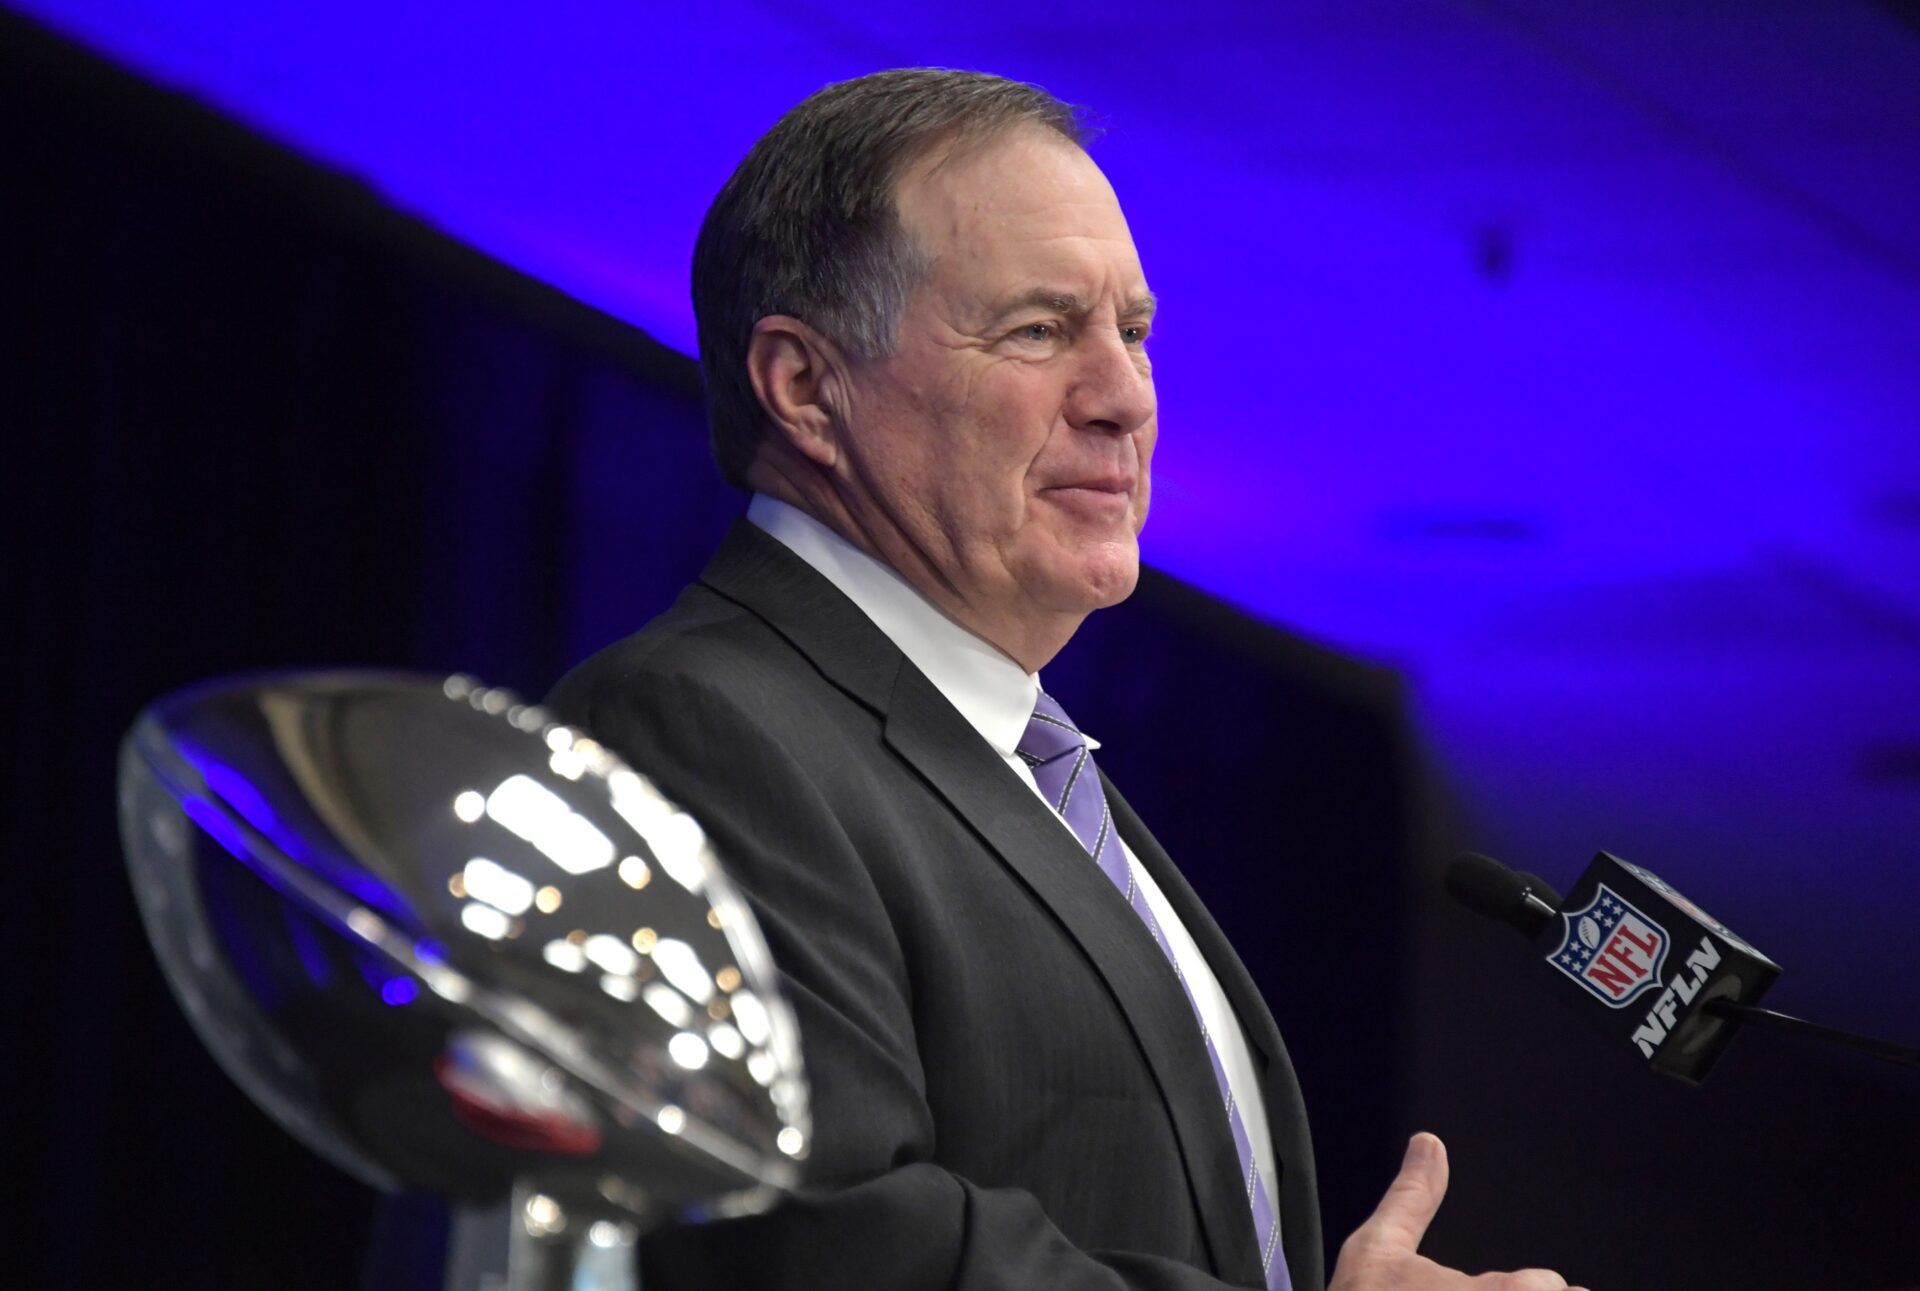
(1487,887)
(1541,888)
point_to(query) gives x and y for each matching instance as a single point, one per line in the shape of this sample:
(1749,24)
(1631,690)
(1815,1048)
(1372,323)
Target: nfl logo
(1611,949)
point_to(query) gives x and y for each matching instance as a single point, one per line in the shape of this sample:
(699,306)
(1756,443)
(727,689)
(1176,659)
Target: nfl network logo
(1611,949)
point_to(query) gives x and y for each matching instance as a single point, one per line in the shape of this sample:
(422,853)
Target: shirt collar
(992,692)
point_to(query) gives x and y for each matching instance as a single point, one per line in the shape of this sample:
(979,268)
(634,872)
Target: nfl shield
(1611,948)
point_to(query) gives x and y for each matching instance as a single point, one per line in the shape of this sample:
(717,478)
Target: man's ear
(793,369)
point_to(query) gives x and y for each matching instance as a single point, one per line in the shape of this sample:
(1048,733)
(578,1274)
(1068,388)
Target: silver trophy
(453,946)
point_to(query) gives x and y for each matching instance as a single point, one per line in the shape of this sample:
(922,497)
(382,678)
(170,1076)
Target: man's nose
(1112,389)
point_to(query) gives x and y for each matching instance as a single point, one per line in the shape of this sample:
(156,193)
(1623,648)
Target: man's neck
(1030,640)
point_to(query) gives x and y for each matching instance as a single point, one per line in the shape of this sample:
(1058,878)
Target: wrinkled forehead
(1026,204)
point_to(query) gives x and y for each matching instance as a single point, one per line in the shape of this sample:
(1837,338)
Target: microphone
(1631,954)
(1487,887)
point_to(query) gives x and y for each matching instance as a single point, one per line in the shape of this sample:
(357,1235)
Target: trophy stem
(532,1242)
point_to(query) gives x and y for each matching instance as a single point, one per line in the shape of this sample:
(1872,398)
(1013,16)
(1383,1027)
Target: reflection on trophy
(455,947)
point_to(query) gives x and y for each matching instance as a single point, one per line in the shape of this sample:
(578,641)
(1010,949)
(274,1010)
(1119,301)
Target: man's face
(1006,441)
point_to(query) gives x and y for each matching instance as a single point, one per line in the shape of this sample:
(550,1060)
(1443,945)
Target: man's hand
(1383,1253)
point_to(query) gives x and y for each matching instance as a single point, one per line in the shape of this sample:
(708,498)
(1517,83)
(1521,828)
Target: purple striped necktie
(1062,764)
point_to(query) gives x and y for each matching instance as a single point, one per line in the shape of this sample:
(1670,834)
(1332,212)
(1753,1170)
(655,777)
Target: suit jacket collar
(758,572)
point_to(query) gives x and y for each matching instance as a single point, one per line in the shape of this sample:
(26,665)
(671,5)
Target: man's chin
(1096,581)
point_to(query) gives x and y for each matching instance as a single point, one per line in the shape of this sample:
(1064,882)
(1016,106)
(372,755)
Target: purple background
(1562,356)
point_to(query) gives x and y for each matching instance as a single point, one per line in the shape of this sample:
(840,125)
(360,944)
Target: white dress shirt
(996,696)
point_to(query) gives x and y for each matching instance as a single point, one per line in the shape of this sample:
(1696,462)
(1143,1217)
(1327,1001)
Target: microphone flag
(1642,962)
(1611,948)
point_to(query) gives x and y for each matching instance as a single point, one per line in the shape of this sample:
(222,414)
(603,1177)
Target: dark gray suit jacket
(1009,1088)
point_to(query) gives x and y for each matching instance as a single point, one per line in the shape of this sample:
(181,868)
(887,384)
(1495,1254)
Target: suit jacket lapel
(1286,1109)
(1262,1032)
(925,730)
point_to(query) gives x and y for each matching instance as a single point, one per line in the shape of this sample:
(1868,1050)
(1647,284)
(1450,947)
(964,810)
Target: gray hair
(808,227)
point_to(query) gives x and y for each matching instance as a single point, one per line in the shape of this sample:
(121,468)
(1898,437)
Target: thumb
(1400,1220)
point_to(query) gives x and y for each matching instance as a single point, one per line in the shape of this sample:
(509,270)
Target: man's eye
(1036,332)
(1134,334)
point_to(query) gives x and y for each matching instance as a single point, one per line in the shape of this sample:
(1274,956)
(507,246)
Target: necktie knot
(1050,733)
(1056,751)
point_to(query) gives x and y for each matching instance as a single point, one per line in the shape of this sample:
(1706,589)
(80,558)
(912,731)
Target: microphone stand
(1769,1020)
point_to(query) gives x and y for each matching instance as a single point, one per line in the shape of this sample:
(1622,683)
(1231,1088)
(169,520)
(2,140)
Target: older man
(1035,1060)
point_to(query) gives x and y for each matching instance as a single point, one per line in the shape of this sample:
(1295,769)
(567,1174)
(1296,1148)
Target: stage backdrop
(253,420)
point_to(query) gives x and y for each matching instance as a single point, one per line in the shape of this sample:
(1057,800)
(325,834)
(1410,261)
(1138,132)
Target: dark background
(254,419)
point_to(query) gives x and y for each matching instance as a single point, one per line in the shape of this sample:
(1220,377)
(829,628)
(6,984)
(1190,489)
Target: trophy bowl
(454,946)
